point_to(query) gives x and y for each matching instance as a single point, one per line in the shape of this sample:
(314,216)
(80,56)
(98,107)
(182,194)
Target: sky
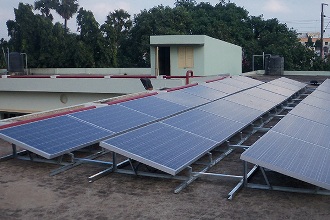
(302,15)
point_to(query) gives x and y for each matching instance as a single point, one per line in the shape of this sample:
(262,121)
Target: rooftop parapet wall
(92,71)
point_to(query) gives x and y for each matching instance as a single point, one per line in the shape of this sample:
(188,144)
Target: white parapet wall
(291,73)
(27,95)
(92,71)
(307,73)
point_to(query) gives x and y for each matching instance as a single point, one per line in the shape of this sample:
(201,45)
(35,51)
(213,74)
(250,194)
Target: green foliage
(124,42)
(115,31)
(65,8)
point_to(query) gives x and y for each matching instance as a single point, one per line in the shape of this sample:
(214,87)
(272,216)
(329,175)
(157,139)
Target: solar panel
(55,136)
(324,87)
(182,98)
(317,102)
(312,113)
(220,86)
(293,157)
(205,92)
(155,107)
(277,89)
(161,146)
(232,111)
(285,85)
(291,81)
(206,125)
(321,95)
(115,118)
(236,83)
(248,80)
(251,101)
(304,129)
(266,95)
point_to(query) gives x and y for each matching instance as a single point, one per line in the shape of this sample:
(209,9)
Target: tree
(91,37)
(3,47)
(115,30)
(66,9)
(45,6)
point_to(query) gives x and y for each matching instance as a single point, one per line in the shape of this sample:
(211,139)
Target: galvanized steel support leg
(244,180)
(14,150)
(265,177)
(114,161)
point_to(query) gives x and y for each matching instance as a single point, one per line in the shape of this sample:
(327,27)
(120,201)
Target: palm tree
(66,9)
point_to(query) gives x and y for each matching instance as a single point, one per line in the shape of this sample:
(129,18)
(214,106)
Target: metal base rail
(65,165)
(268,186)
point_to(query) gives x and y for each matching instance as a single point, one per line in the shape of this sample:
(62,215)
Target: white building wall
(222,57)
(29,102)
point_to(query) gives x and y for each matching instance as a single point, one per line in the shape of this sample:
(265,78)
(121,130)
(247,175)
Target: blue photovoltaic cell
(294,82)
(248,80)
(205,92)
(232,111)
(293,157)
(312,113)
(266,95)
(277,89)
(115,118)
(317,102)
(324,87)
(321,95)
(161,146)
(155,107)
(55,136)
(236,83)
(304,129)
(206,125)
(220,86)
(182,98)
(251,101)
(286,85)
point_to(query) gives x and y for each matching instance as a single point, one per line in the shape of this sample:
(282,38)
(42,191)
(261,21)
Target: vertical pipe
(156,61)
(322,30)
(263,60)
(8,60)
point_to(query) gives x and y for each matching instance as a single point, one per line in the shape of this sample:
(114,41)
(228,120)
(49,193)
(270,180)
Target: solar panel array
(215,121)
(168,131)
(299,145)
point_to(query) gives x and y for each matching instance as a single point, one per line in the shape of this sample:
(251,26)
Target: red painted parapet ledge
(45,117)
(131,98)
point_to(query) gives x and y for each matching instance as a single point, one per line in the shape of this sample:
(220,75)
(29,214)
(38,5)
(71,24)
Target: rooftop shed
(174,55)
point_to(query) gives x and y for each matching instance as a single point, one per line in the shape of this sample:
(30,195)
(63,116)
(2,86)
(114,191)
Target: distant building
(315,37)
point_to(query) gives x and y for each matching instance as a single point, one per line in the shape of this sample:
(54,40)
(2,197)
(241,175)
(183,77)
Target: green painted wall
(222,57)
